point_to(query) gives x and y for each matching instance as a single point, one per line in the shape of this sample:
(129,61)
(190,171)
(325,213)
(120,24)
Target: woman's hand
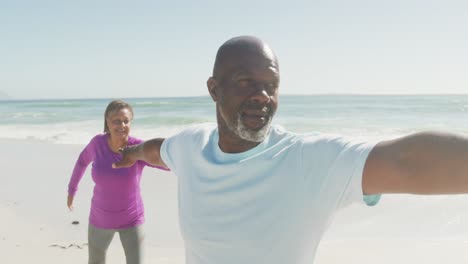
(70,202)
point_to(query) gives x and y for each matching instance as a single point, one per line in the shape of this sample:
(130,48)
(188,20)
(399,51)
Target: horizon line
(195,96)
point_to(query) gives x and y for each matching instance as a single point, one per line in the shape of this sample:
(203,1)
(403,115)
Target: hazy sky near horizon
(96,49)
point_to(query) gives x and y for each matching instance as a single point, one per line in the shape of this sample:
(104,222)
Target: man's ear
(212,85)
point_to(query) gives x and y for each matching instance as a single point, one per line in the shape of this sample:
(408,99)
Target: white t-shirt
(270,204)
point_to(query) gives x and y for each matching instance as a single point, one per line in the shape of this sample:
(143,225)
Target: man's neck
(231,143)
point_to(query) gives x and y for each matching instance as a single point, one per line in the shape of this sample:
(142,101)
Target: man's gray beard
(248,134)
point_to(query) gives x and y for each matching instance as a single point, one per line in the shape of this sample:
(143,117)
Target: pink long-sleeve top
(117,201)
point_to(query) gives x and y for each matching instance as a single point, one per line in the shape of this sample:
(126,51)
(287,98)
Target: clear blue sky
(94,49)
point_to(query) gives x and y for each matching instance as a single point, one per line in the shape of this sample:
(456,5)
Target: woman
(116,205)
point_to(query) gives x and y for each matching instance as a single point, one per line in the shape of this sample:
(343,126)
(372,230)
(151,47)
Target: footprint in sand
(72,245)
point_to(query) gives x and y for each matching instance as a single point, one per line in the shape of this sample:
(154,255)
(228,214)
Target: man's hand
(148,151)
(129,157)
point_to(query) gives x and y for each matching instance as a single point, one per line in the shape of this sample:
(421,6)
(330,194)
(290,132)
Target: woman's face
(119,122)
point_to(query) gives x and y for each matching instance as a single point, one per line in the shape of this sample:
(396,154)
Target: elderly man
(252,193)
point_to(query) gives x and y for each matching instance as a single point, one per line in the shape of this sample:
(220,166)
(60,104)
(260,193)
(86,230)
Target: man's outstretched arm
(422,163)
(148,151)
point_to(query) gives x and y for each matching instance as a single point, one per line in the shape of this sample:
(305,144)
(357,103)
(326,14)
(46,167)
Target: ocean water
(75,121)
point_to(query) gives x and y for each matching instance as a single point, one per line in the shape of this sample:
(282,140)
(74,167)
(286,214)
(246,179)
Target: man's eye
(271,88)
(243,82)
(272,85)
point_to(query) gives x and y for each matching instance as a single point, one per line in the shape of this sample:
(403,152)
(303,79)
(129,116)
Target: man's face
(247,96)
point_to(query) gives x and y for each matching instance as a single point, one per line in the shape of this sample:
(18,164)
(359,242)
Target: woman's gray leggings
(99,240)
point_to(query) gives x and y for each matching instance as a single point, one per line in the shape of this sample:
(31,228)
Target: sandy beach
(36,226)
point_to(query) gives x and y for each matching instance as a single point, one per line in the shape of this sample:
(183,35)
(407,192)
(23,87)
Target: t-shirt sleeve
(84,159)
(335,167)
(183,147)
(169,149)
(354,156)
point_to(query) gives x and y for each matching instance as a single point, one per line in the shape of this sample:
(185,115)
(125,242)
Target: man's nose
(260,93)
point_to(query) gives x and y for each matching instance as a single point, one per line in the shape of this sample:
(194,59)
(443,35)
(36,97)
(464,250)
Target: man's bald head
(241,48)
(245,86)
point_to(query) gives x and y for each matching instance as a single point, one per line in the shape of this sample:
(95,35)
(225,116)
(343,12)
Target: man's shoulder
(278,133)
(188,140)
(192,135)
(196,130)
